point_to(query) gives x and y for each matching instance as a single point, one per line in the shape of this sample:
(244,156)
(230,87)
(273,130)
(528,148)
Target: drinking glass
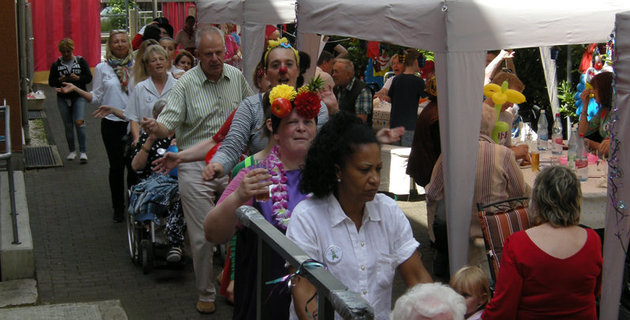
(262,197)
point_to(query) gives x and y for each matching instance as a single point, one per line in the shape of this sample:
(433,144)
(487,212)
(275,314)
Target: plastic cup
(262,197)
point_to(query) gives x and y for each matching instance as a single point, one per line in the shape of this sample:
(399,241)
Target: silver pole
(23,57)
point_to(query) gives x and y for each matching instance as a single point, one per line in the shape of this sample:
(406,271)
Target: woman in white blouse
(363,237)
(110,87)
(150,90)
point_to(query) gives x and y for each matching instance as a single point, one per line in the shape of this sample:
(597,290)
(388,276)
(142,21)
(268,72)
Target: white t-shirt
(364,261)
(388,83)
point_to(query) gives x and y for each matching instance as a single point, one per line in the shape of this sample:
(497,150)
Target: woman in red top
(552,270)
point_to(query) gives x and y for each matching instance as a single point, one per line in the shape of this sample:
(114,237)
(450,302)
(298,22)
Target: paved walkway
(82,256)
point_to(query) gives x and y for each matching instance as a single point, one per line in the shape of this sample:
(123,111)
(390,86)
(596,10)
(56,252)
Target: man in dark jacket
(352,94)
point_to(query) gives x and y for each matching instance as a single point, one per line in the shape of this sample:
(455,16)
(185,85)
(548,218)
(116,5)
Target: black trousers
(114,135)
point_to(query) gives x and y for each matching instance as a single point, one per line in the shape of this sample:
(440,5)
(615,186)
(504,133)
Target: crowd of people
(303,152)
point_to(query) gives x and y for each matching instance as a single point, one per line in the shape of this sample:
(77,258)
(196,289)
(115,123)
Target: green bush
(566,95)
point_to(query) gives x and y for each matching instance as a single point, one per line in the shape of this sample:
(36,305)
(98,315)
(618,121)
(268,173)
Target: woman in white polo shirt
(362,237)
(147,92)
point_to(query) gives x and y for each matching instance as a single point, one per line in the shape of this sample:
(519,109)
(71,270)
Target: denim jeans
(72,110)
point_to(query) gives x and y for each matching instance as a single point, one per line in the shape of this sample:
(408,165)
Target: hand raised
(167,162)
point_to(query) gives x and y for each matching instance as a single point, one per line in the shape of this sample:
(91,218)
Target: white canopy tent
(252,16)
(617,225)
(459,31)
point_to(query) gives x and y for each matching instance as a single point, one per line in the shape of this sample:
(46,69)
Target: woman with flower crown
(293,126)
(281,65)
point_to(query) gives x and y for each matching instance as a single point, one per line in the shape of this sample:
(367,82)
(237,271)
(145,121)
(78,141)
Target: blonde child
(169,45)
(472,284)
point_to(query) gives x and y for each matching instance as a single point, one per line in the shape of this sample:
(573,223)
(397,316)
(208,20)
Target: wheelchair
(150,203)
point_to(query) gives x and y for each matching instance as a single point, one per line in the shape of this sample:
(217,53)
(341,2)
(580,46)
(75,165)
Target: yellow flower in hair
(303,89)
(282,91)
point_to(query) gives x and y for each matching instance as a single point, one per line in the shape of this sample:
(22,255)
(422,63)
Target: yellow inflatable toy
(501,95)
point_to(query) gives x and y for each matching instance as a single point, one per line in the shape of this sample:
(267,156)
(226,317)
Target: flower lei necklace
(279,190)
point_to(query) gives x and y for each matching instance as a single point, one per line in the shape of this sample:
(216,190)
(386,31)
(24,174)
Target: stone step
(18,293)
(16,260)
(99,310)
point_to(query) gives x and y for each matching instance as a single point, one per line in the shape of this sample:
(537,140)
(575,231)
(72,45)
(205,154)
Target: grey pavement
(81,255)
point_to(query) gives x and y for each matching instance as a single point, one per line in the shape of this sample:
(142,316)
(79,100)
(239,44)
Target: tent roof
(250,11)
(464,25)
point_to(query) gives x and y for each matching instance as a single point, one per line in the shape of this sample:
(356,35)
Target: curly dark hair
(334,144)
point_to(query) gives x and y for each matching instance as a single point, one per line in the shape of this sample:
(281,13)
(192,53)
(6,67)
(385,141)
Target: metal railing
(333,295)
(7,157)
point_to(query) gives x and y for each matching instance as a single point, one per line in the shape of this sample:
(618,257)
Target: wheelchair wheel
(147,256)
(133,237)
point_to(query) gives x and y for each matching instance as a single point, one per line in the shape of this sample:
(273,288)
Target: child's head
(169,45)
(472,284)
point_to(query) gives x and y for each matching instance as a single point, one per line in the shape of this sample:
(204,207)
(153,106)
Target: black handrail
(333,295)
(7,157)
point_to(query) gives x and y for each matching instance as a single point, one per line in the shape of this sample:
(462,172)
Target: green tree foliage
(529,69)
(566,95)
(119,7)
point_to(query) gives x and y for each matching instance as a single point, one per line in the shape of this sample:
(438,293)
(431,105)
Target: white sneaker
(83,157)
(71,156)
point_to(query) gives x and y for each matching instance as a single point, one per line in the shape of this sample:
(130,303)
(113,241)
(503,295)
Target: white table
(594,191)
(394,176)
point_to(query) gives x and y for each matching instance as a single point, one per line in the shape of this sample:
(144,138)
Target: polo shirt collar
(485,137)
(202,76)
(337,215)
(351,84)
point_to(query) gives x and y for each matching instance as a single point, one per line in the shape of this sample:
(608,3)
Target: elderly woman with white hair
(433,301)
(498,177)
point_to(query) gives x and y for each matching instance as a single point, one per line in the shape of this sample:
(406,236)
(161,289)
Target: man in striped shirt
(498,177)
(197,106)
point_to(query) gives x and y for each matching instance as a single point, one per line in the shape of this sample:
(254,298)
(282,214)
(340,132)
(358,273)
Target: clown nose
(284,69)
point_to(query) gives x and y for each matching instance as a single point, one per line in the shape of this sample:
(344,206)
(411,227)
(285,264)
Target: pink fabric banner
(176,13)
(54,20)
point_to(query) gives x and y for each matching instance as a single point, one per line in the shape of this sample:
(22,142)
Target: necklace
(279,190)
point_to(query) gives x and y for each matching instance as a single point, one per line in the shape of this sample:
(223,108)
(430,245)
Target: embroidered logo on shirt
(333,254)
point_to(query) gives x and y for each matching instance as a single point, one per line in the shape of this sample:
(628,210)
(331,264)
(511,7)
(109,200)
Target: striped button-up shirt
(498,178)
(197,107)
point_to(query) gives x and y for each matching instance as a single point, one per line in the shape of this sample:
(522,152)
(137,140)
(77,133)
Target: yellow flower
(303,89)
(282,91)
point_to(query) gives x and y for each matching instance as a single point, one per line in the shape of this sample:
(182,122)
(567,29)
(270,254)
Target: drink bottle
(556,136)
(581,159)
(543,131)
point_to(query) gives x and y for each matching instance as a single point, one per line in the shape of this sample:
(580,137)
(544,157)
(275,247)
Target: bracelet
(147,150)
